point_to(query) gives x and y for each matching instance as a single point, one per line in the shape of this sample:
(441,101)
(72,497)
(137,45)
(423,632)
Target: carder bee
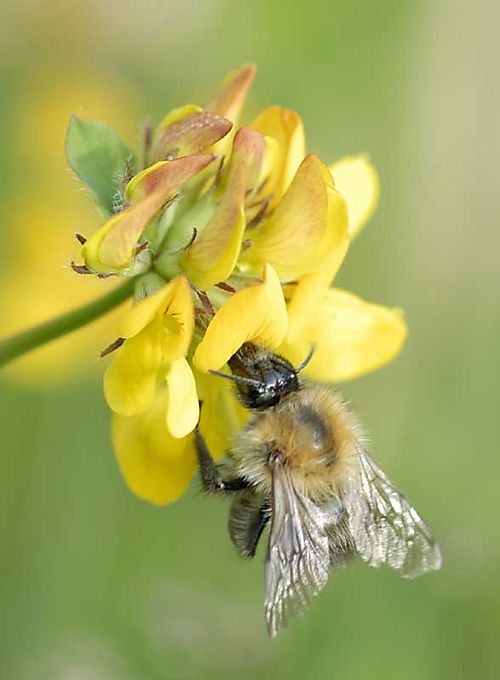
(301,465)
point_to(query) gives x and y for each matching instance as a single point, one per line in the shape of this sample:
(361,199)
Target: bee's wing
(384,526)
(342,546)
(298,557)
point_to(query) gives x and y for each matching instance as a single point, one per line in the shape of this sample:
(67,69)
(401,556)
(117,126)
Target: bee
(301,465)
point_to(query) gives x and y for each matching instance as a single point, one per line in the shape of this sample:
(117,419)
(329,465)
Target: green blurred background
(96,584)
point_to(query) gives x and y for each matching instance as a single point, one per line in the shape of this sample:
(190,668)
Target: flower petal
(178,308)
(255,314)
(156,466)
(249,147)
(174,116)
(144,311)
(286,128)
(213,255)
(168,176)
(304,297)
(112,248)
(222,415)
(190,134)
(182,405)
(358,182)
(308,225)
(174,299)
(130,380)
(229,101)
(350,336)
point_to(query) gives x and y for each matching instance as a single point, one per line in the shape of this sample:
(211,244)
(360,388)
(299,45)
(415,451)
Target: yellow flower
(231,235)
(157,333)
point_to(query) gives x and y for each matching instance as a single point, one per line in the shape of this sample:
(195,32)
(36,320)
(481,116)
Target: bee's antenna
(308,358)
(237,378)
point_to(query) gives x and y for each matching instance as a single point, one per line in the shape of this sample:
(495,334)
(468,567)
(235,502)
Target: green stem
(20,343)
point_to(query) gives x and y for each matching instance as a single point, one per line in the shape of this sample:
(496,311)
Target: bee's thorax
(309,431)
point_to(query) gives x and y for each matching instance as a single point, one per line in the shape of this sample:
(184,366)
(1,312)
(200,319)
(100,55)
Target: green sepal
(101,160)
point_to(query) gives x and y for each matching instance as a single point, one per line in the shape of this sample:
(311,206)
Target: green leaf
(100,159)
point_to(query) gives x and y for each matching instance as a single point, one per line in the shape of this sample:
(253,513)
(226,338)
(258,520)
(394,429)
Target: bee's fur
(314,434)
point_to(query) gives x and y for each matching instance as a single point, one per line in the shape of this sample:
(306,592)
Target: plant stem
(20,343)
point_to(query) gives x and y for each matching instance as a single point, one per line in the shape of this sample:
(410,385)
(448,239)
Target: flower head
(232,235)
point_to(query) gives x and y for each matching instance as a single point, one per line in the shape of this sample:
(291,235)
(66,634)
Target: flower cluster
(232,235)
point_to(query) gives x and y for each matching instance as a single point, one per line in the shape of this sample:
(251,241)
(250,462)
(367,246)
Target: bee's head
(261,377)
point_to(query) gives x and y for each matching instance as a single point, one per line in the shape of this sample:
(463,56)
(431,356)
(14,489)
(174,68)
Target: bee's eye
(261,398)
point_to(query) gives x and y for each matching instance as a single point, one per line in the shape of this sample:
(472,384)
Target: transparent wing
(298,556)
(340,541)
(384,526)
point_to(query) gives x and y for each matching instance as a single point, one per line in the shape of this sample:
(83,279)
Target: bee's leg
(259,528)
(209,472)
(248,517)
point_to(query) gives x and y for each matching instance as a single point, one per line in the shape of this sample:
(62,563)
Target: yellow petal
(213,255)
(249,147)
(144,311)
(222,415)
(255,314)
(177,114)
(168,176)
(270,159)
(357,180)
(172,117)
(112,248)
(351,337)
(156,466)
(182,405)
(229,101)
(179,307)
(130,380)
(174,300)
(304,297)
(309,224)
(286,128)
(190,135)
